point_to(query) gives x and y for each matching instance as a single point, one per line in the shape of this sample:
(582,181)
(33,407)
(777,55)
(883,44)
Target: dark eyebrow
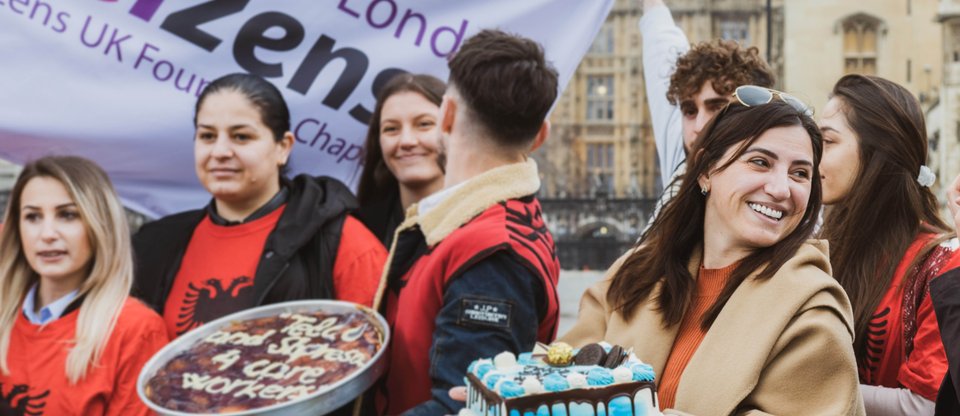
(61,206)
(716,101)
(233,127)
(775,157)
(828,128)
(415,117)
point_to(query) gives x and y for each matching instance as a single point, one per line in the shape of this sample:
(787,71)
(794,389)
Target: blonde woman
(71,339)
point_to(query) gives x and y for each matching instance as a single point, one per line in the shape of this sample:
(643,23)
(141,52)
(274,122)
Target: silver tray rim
(188,339)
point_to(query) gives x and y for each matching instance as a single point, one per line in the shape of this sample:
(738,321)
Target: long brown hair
(376,180)
(666,249)
(870,229)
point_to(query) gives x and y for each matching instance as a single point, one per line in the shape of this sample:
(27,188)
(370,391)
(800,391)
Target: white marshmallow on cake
(531,385)
(576,380)
(622,375)
(505,360)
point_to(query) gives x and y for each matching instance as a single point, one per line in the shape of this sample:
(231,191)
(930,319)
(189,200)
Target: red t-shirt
(217,270)
(888,362)
(216,273)
(360,260)
(37,383)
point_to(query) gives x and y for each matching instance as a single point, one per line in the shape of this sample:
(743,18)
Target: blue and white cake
(596,380)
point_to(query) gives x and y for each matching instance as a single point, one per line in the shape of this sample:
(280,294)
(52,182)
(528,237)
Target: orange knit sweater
(710,283)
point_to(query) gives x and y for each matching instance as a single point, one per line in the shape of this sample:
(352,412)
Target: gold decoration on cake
(560,354)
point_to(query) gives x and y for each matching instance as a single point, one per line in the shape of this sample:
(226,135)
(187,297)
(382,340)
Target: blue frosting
(492,380)
(510,388)
(555,382)
(483,369)
(642,372)
(525,358)
(599,376)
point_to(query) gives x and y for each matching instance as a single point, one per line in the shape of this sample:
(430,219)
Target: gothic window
(861,35)
(599,97)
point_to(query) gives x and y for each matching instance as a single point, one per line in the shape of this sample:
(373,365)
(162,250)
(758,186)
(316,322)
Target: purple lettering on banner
(351,150)
(343,6)
(320,133)
(296,131)
(46,16)
(337,147)
(143,55)
(145,9)
(410,14)
(83,32)
(22,2)
(184,88)
(156,73)
(457,38)
(62,20)
(115,43)
(393,13)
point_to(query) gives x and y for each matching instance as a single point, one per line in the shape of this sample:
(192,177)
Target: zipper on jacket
(273,282)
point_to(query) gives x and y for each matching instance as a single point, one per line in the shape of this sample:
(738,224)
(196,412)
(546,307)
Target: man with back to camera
(473,270)
(687,86)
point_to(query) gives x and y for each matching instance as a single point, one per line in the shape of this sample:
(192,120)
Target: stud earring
(704,191)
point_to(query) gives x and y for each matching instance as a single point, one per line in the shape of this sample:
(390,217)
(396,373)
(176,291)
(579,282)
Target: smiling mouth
(411,156)
(767,211)
(222,171)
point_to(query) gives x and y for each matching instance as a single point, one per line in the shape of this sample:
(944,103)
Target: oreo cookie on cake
(561,381)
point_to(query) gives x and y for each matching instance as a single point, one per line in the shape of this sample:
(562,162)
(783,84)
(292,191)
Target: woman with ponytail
(887,240)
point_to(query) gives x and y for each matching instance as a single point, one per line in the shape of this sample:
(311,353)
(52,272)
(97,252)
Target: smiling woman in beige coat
(724,297)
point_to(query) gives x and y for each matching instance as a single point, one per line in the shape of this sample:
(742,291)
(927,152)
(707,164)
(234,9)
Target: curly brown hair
(724,63)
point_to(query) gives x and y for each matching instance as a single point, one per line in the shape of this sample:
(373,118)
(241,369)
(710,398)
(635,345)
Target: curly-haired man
(687,86)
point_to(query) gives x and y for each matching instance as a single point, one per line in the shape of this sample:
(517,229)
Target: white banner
(117,81)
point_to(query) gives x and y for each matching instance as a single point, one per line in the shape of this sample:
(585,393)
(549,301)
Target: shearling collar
(472,197)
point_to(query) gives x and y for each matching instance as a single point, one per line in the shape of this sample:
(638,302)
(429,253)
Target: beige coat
(781,346)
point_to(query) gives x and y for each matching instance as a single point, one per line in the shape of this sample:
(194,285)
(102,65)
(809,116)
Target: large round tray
(325,400)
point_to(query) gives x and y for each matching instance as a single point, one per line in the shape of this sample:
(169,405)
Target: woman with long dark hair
(724,296)
(886,239)
(263,238)
(401,163)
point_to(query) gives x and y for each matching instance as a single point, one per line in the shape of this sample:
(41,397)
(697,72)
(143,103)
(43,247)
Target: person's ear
(448,113)
(286,146)
(541,136)
(704,182)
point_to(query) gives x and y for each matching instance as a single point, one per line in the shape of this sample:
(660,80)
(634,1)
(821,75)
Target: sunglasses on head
(752,95)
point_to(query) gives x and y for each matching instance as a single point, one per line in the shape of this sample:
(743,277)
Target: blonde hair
(110,272)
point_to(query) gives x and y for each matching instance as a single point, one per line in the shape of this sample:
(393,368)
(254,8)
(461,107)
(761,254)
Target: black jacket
(945,294)
(297,260)
(382,216)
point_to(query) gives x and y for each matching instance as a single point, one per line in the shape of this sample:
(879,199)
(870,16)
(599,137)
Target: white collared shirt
(48,313)
(434,199)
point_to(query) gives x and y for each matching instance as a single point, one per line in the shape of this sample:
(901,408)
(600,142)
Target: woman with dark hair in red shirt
(263,238)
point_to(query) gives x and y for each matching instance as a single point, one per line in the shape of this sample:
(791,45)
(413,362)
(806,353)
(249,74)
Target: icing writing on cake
(262,361)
